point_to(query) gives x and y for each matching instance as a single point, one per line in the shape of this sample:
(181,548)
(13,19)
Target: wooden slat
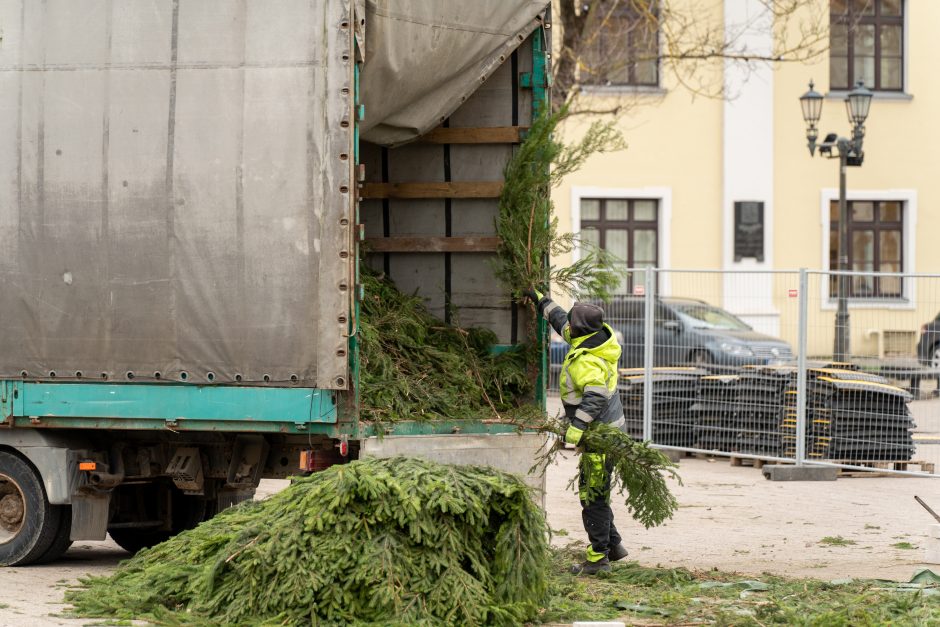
(464,189)
(432,244)
(475,135)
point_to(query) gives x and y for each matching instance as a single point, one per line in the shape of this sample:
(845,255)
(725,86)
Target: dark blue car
(687,331)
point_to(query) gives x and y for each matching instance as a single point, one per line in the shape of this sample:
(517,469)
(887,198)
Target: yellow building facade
(717,168)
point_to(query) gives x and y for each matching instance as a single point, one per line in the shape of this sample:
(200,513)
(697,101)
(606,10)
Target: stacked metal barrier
(858,417)
(715,416)
(760,397)
(851,415)
(675,391)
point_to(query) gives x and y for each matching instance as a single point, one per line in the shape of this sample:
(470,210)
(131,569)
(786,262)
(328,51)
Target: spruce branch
(637,470)
(528,229)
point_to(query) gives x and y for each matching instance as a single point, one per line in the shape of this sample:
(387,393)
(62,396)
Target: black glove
(533,295)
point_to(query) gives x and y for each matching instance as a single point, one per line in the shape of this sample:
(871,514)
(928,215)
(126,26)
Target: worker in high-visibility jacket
(588,390)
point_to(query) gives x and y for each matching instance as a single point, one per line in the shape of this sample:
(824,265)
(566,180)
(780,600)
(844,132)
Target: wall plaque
(748,230)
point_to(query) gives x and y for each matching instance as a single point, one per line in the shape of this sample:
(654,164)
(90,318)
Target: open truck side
(184,191)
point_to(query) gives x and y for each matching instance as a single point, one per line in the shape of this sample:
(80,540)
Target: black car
(928,348)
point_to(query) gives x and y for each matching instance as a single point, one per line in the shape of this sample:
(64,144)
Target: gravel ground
(730,518)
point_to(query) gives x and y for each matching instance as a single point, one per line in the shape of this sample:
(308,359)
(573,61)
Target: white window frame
(663,226)
(908,199)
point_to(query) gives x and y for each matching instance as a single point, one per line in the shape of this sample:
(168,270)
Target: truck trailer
(189,190)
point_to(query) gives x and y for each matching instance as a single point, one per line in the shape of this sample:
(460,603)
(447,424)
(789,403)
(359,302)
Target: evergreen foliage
(391,541)
(637,470)
(528,229)
(416,367)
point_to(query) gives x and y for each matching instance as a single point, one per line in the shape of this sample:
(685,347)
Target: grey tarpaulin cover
(176,176)
(175,183)
(425,57)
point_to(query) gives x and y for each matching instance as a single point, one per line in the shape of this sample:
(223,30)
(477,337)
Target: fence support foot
(671,455)
(783,472)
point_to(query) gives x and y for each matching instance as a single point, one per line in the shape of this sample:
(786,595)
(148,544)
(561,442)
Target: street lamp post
(850,153)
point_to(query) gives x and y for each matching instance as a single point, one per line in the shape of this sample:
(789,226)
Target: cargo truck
(188,189)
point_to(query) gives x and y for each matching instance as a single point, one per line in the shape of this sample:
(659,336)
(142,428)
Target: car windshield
(703,316)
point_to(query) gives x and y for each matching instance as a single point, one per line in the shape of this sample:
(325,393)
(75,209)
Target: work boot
(617,553)
(591,568)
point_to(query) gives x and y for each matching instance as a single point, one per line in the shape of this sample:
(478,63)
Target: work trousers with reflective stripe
(597,516)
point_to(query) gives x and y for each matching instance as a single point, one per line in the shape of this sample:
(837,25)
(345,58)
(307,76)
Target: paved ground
(729,518)
(733,519)
(33,595)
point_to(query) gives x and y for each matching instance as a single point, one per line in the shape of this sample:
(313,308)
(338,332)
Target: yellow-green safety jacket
(589,375)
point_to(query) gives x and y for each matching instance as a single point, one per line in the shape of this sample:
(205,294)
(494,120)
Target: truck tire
(63,539)
(188,511)
(29,525)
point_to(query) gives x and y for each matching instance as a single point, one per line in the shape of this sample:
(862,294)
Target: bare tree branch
(624,41)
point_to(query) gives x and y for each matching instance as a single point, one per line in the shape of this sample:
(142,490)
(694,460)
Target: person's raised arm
(552,311)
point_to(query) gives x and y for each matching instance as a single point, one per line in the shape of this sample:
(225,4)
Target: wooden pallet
(878,468)
(884,467)
(748,461)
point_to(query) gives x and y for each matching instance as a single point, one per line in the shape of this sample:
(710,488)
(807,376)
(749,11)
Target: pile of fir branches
(416,367)
(390,541)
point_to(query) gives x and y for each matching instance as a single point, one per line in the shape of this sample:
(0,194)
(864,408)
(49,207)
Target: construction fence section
(805,367)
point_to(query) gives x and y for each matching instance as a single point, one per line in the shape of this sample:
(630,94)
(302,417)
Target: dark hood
(584,319)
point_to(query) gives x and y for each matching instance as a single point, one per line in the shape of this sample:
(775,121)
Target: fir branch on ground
(416,367)
(392,541)
(666,596)
(526,224)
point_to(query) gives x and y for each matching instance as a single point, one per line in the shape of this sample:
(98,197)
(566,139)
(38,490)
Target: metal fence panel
(746,364)
(880,409)
(723,371)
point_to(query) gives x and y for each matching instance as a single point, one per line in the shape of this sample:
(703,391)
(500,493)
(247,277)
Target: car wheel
(700,357)
(29,524)
(935,356)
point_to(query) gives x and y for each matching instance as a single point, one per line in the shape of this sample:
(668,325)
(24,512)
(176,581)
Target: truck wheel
(29,525)
(63,539)
(188,511)
(133,540)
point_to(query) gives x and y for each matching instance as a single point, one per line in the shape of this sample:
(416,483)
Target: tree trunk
(566,64)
